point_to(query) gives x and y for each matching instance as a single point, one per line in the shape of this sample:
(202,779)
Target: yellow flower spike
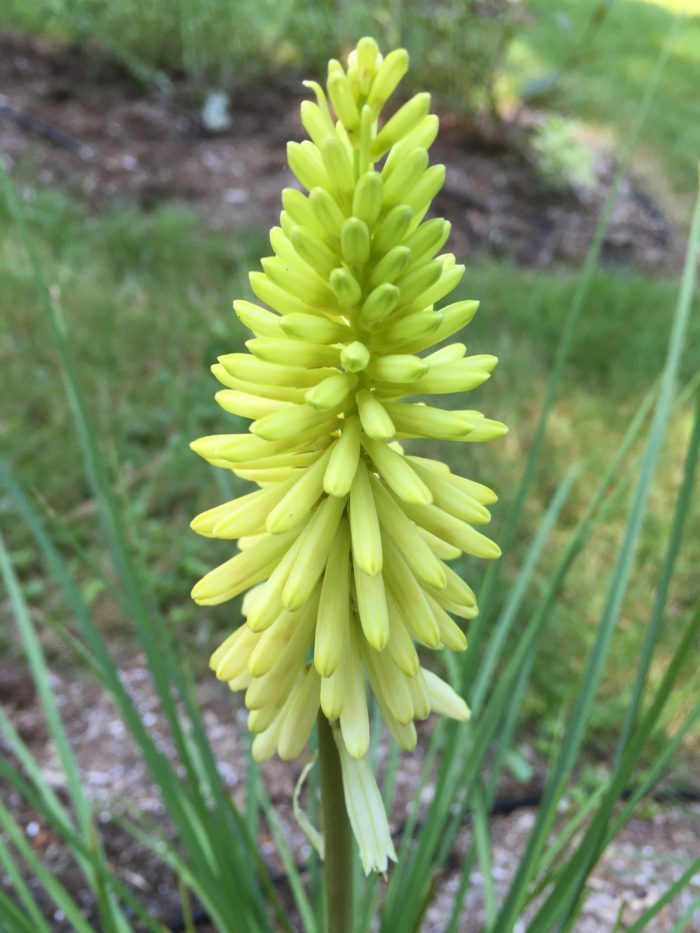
(344,547)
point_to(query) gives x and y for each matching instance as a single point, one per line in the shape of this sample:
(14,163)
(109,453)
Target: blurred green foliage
(560,159)
(591,60)
(456,45)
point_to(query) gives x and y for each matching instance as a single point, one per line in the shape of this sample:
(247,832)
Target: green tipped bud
(422,137)
(331,392)
(428,239)
(298,209)
(263,323)
(314,251)
(403,121)
(398,367)
(345,287)
(412,327)
(316,124)
(367,55)
(449,279)
(392,229)
(367,200)
(326,211)
(390,72)
(338,165)
(391,266)
(320,99)
(379,304)
(375,421)
(314,328)
(399,186)
(355,241)
(416,281)
(305,162)
(345,456)
(355,357)
(341,96)
(427,187)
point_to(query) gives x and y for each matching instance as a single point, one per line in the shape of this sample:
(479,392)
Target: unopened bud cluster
(344,547)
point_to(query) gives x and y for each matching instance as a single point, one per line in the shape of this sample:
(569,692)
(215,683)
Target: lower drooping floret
(343,548)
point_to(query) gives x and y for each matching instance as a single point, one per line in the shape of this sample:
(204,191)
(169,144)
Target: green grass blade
(669,895)
(482,841)
(40,674)
(241,883)
(490,586)
(582,706)
(657,615)
(49,883)
(77,846)
(11,912)
(683,923)
(34,917)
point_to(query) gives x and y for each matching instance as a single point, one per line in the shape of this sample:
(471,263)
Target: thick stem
(337,834)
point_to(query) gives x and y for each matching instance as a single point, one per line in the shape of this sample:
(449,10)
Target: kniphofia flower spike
(344,547)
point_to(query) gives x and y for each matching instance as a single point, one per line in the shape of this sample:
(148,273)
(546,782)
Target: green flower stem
(336,833)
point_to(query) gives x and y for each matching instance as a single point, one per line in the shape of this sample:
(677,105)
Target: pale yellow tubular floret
(276,682)
(410,597)
(280,350)
(453,499)
(370,598)
(345,456)
(242,571)
(397,473)
(299,716)
(354,718)
(250,369)
(375,421)
(426,421)
(299,498)
(405,536)
(311,560)
(419,696)
(231,657)
(243,516)
(451,635)
(441,549)
(453,530)
(364,524)
(293,422)
(334,607)
(391,682)
(443,699)
(400,645)
(272,640)
(332,392)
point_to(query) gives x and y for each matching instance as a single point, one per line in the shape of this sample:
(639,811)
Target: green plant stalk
(337,834)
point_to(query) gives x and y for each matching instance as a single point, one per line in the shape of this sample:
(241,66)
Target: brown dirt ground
(77,119)
(69,118)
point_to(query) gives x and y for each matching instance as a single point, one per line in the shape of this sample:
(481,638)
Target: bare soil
(72,117)
(649,855)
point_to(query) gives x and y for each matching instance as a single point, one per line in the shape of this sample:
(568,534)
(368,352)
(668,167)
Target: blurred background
(146,141)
